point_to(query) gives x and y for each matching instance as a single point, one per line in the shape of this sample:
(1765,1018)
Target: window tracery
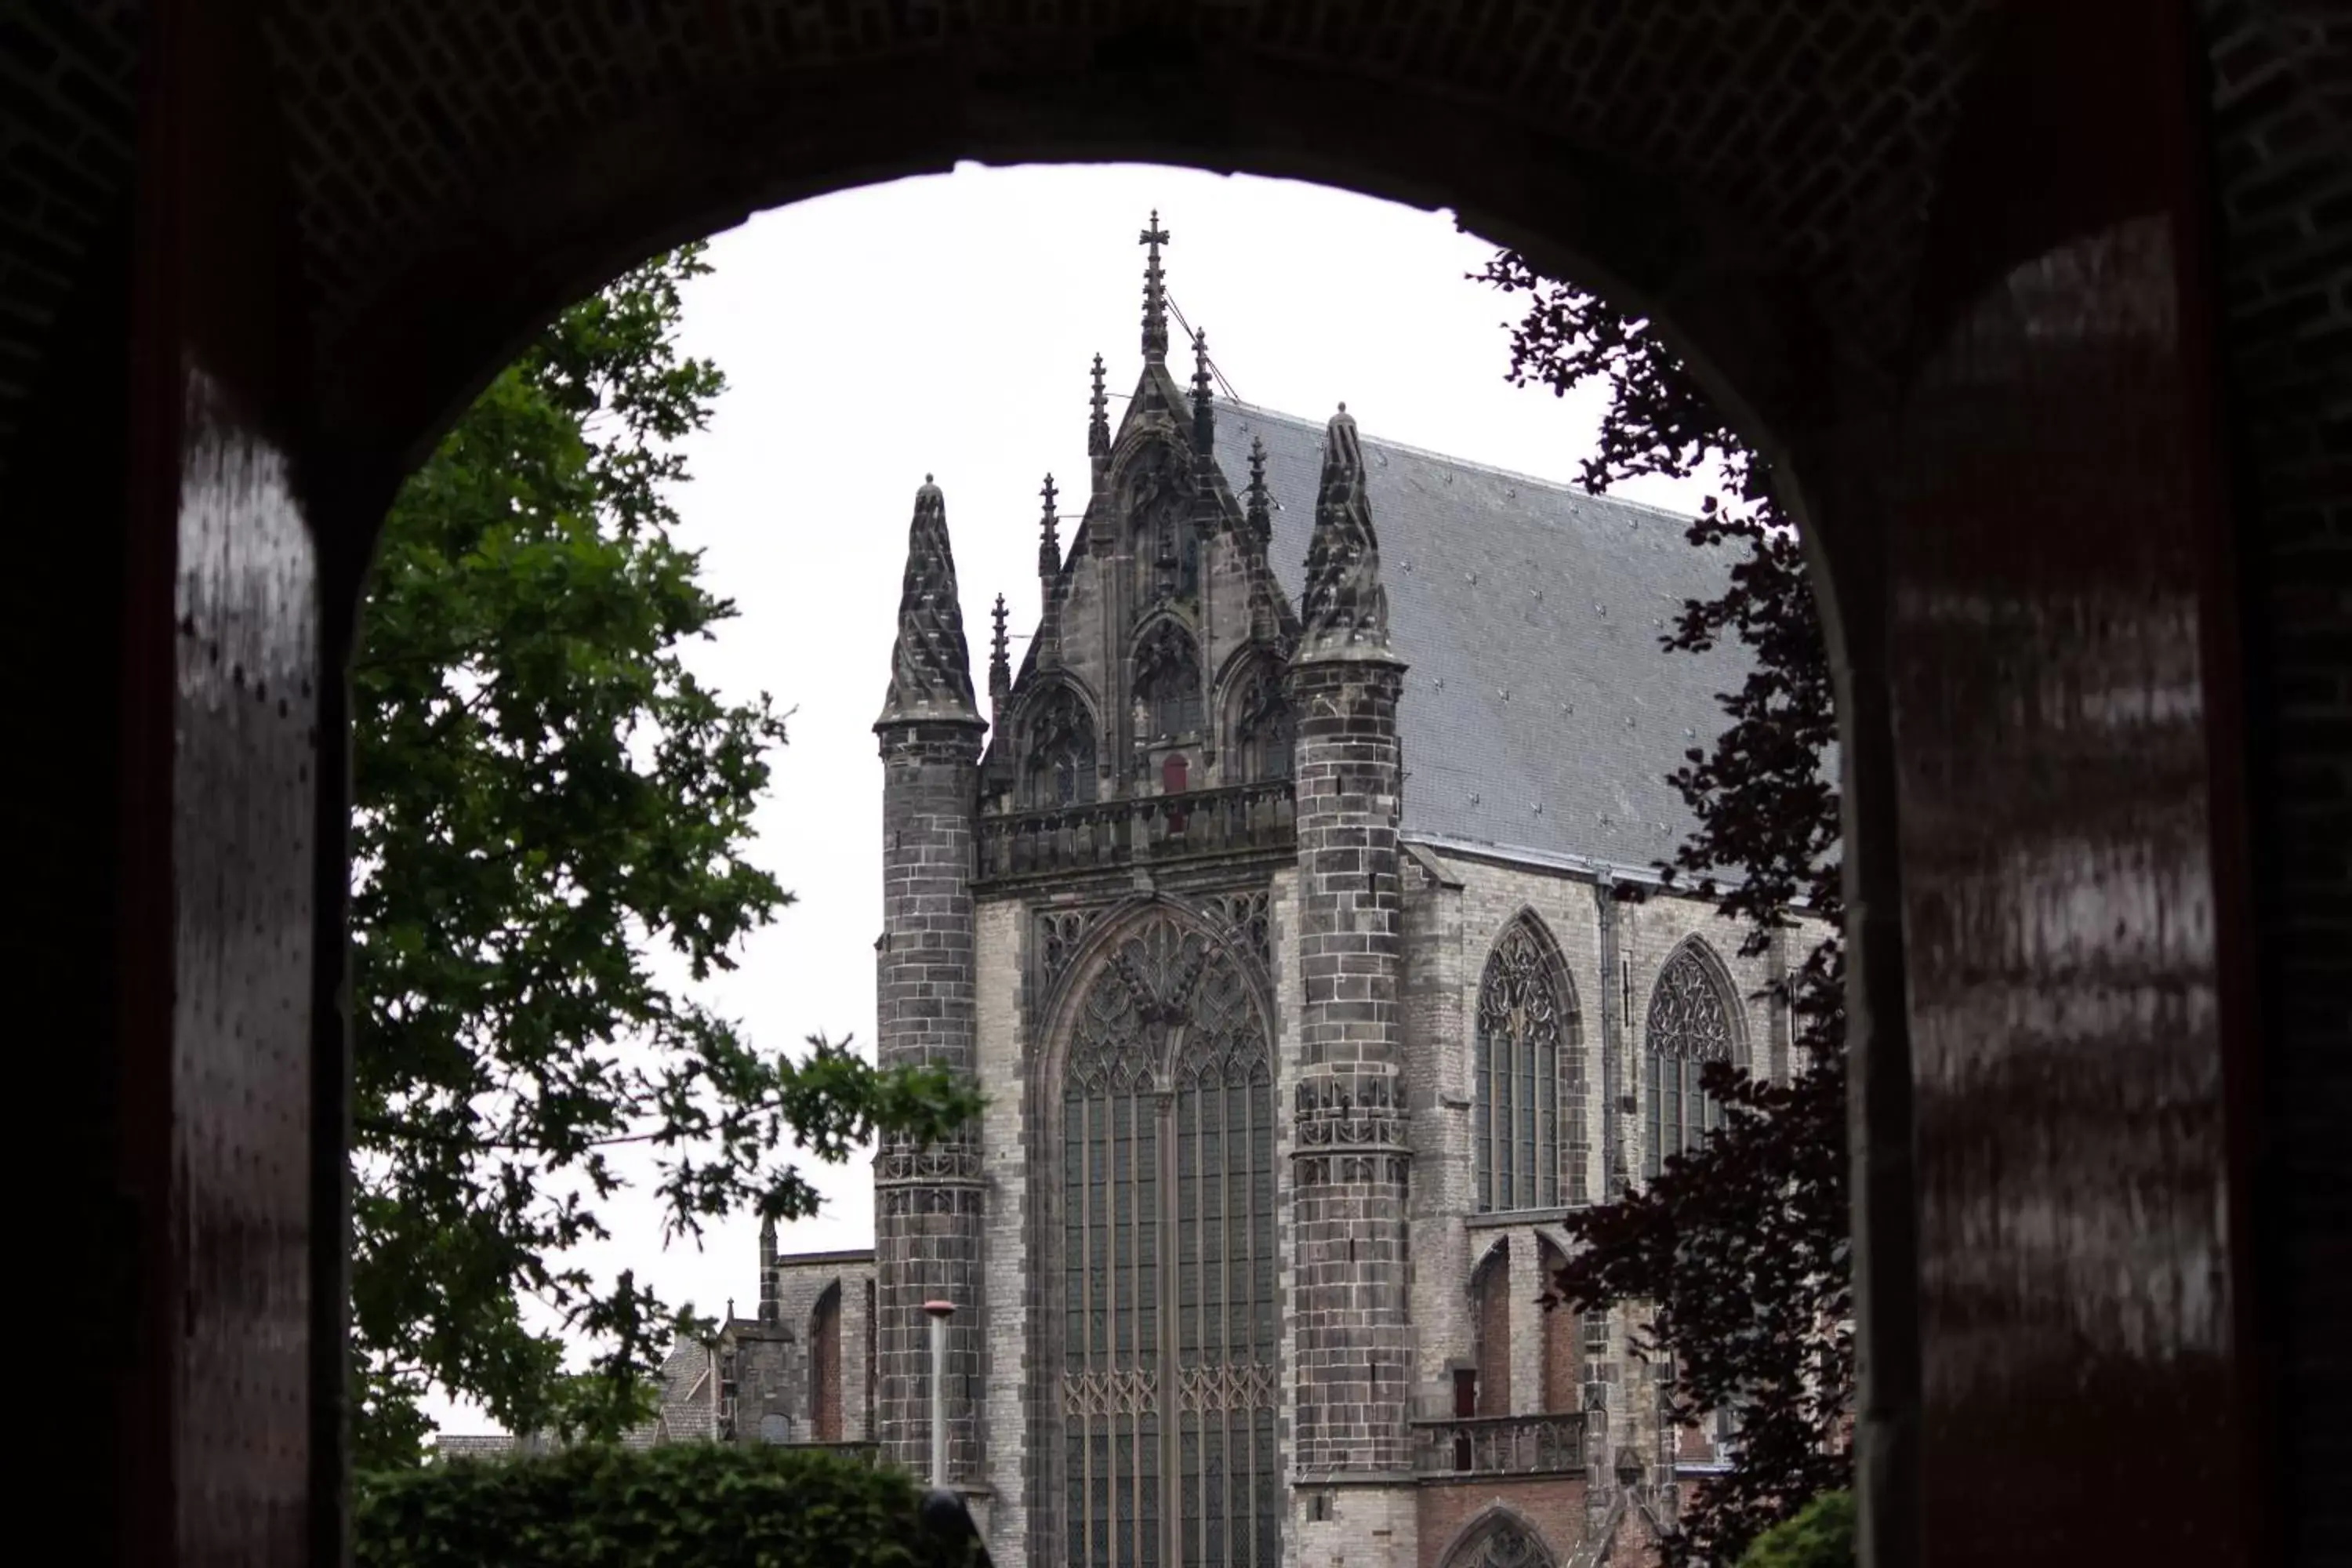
(1169,1311)
(1060,763)
(1167,682)
(1262,727)
(1688,1027)
(1504,1541)
(1529,1083)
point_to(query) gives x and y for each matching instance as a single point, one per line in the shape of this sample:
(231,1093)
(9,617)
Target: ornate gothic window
(1528,1085)
(1689,1026)
(1167,1298)
(1504,1540)
(1159,495)
(1167,682)
(1060,764)
(1262,729)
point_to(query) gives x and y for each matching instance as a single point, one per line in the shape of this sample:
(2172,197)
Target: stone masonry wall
(928,1201)
(1353,1369)
(1011,1283)
(798,1281)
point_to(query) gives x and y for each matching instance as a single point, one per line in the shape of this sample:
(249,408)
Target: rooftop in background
(1540,713)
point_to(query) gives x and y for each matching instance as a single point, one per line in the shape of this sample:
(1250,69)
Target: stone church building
(1292,903)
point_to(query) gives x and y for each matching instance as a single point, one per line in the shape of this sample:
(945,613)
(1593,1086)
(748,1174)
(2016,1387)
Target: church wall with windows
(1312,983)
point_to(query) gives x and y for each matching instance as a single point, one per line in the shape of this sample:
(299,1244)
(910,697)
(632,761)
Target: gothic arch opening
(1529,1144)
(1995,297)
(1501,1537)
(1163,1330)
(1058,749)
(1260,733)
(1693,1021)
(825,1393)
(1167,670)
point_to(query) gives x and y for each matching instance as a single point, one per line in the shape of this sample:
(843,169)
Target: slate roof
(1540,713)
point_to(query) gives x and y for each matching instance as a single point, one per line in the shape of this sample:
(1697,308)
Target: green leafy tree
(1741,1249)
(548,840)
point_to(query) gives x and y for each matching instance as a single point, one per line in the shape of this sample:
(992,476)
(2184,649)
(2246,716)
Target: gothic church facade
(1292,905)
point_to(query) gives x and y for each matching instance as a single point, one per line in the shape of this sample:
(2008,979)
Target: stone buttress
(927,1199)
(1353,1377)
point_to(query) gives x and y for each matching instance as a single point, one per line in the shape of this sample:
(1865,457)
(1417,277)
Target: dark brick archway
(2043,305)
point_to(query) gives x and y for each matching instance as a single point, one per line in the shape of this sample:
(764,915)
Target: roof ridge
(1470,465)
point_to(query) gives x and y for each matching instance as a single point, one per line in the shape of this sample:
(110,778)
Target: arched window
(1262,727)
(1503,1541)
(825,1365)
(1528,1082)
(1689,1026)
(1167,682)
(1169,1310)
(1060,763)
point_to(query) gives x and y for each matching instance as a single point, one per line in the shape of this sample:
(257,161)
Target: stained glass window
(1167,1296)
(1528,1116)
(1689,1026)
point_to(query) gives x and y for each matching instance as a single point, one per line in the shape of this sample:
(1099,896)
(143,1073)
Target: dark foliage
(1741,1248)
(687,1505)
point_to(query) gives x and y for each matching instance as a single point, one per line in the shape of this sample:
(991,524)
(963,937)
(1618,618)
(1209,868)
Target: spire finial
(1261,515)
(1155,293)
(930,669)
(1000,665)
(1098,422)
(1049,539)
(1205,418)
(1344,608)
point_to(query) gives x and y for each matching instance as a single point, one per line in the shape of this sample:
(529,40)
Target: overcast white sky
(945,325)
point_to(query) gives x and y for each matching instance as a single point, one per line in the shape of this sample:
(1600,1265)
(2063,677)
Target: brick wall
(1490,1294)
(1563,1365)
(1452,1513)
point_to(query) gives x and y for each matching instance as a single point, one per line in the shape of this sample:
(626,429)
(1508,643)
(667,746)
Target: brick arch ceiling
(1757,173)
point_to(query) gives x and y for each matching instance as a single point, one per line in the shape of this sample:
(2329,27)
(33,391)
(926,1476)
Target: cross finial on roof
(1155,293)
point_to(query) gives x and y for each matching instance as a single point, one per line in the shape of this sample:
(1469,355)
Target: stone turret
(1351,1156)
(927,1199)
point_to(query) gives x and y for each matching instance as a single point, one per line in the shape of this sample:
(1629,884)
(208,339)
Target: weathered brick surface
(1553,1508)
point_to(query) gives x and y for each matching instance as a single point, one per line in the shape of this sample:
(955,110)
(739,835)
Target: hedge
(685,1505)
(1819,1535)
